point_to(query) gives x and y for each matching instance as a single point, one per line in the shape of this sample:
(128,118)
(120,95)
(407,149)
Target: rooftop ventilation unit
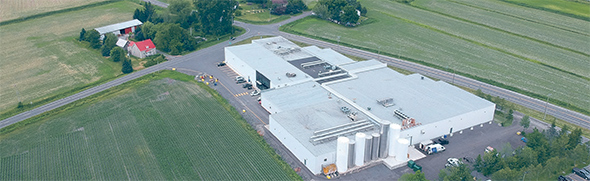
(330,72)
(400,115)
(332,133)
(345,110)
(290,74)
(352,115)
(386,102)
(311,64)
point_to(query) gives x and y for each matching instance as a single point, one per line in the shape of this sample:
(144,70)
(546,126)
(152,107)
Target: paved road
(204,59)
(157,3)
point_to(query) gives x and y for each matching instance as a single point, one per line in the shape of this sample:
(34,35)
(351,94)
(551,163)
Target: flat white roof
(416,96)
(118,26)
(268,63)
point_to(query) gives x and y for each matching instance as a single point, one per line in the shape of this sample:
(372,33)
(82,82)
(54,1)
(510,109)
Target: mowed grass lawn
(12,9)
(493,52)
(41,58)
(159,129)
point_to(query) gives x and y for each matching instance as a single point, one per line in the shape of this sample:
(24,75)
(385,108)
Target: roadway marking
(241,94)
(243,104)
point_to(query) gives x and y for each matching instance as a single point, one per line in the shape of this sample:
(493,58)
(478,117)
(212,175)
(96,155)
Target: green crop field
(41,58)
(491,51)
(12,9)
(555,36)
(567,7)
(147,129)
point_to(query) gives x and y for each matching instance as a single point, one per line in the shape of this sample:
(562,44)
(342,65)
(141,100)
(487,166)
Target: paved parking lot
(470,144)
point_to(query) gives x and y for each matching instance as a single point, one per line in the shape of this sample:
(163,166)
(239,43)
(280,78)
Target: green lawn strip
(534,114)
(289,29)
(498,29)
(535,4)
(40,15)
(521,18)
(246,19)
(214,41)
(240,120)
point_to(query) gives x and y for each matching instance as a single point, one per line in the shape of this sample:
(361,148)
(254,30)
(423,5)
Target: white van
(430,149)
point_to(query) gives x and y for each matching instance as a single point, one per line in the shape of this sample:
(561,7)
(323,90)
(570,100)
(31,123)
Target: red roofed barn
(142,49)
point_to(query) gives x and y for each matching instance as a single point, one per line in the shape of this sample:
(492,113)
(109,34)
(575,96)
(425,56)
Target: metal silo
(394,133)
(342,154)
(359,151)
(375,146)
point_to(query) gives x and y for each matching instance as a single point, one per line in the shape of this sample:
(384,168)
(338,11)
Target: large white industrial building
(328,109)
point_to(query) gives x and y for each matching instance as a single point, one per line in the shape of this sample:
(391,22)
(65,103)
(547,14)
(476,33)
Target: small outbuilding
(122,43)
(119,28)
(142,49)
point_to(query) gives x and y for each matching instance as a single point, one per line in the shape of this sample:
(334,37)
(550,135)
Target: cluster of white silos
(365,148)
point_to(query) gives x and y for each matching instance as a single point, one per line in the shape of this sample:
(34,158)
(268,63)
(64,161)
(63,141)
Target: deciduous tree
(418,176)
(82,33)
(525,122)
(93,37)
(126,67)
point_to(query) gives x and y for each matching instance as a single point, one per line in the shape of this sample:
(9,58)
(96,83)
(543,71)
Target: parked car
(582,173)
(453,162)
(442,141)
(221,64)
(489,149)
(247,85)
(239,78)
(255,92)
(469,159)
(435,148)
(239,81)
(564,178)
(524,139)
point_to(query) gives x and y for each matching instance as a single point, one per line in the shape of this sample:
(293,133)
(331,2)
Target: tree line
(548,154)
(107,48)
(174,29)
(342,12)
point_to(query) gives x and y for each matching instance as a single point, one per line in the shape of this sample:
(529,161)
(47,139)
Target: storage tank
(359,150)
(351,151)
(375,146)
(402,150)
(394,132)
(383,142)
(368,147)
(342,154)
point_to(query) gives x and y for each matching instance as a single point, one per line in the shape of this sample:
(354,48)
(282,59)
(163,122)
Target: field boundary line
(500,30)
(486,46)
(517,17)
(41,15)
(549,10)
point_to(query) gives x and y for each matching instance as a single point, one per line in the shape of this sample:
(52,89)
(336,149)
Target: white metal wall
(239,66)
(458,123)
(310,161)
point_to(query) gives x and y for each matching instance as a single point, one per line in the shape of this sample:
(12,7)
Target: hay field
(41,57)
(12,9)
(492,49)
(152,130)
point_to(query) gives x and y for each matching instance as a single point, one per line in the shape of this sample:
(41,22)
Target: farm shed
(119,28)
(318,96)
(142,49)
